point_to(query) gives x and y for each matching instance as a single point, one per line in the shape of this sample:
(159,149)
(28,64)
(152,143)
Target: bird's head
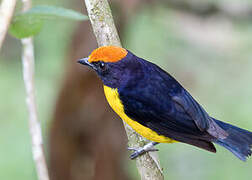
(111,63)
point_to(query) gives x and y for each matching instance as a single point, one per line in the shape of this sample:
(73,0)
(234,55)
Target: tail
(239,141)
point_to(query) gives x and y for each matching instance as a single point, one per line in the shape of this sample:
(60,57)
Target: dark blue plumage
(239,141)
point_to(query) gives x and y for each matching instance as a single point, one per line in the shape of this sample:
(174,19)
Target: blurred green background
(210,54)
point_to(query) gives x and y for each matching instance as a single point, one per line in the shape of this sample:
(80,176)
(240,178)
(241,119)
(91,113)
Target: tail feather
(239,141)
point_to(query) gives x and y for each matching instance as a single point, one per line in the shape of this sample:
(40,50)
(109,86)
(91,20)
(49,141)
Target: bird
(158,107)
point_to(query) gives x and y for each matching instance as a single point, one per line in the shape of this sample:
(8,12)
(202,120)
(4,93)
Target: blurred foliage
(209,55)
(16,159)
(30,23)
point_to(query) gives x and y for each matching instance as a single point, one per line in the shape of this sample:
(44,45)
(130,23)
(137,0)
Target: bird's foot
(141,150)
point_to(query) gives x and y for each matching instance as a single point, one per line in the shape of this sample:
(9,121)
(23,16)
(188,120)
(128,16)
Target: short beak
(85,61)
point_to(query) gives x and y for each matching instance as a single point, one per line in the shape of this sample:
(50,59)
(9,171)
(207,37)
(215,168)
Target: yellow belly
(114,101)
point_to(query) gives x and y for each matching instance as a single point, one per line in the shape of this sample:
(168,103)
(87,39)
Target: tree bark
(106,34)
(34,125)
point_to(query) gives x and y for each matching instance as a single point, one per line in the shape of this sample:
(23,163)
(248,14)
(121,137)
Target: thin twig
(6,11)
(106,34)
(35,129)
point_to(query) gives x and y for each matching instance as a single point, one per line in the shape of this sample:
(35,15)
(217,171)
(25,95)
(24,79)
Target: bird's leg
(141,150)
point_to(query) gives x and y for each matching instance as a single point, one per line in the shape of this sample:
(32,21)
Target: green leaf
(51,11)
(31,22)
(25,26)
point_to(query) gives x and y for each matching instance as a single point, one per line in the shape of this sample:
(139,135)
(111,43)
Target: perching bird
(157,107)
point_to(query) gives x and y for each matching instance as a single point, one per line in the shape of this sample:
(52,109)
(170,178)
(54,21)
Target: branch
(6,11)
(106,34)
(35,129)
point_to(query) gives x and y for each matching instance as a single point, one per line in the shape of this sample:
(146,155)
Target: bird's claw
(141,150)
(137,153)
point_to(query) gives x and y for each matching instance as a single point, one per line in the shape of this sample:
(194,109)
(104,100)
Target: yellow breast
(115,102)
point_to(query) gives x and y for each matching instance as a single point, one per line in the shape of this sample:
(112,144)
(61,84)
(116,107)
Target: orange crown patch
(107,54)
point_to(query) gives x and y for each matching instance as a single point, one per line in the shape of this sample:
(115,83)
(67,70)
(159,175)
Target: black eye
(102,65)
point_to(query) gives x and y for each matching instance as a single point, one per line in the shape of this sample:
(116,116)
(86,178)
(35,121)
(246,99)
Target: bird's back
(147,98)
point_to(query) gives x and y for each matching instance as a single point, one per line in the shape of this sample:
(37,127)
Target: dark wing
(203,121)
(185,101)
(168,121)
(159,102)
